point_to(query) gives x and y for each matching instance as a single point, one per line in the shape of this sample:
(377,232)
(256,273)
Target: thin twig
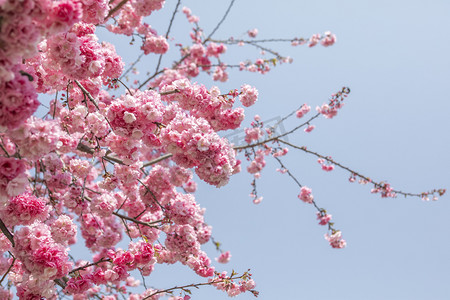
(376,184)
(221,21)
(157,160)
(83,148)
(9,269)
(167,36)
(277,137)
(90,264)
(149,224)
(87,94)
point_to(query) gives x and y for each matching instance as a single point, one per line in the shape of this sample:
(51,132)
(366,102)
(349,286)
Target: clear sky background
(394,55)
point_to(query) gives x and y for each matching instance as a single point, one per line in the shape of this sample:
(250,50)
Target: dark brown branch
(149,224)
(157,160)
(90,264)
(9,269)
(87,94)
(83,148)
(7,233)
(113,10)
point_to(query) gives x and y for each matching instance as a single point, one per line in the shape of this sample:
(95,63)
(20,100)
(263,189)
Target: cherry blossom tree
(118,156)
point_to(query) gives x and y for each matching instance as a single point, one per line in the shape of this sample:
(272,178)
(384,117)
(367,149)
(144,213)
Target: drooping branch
(313,202)
(380,185)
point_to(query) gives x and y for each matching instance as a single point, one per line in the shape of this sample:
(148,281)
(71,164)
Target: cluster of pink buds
(252,33)
(326,166)
(330,110)
(228,284)
(304,109)
(385,190)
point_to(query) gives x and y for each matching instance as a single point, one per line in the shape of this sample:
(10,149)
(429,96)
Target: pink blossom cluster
(155,44)
(220,74)
(38,137)
(131,14)
(225,283)
(13,180)
(258,163)
(335,240)
(385,190)
(304,109)
(100,232)
(248,95)
(18,99)
(39,253)
(323,218)
(94,11)
(198,57)
(327,111)
(201,264)
(327,39)
(136,116)
(210,105)
(146,7)
(252,33)
(260,65)
(193,143)
(188,13)
(281,152)
(330,110)
(224,257)
(24,210)
(64,230)
(309,128)
(253,134)
(306,195)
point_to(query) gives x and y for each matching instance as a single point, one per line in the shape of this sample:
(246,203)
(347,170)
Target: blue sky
(394,55)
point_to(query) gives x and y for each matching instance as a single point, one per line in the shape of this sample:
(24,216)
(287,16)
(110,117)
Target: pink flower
(310,128)
(248,96)
(306,195)
(323,218)
(224,257)
(257,200)
(303,110)
(24,210)
(252,33)
(328,40)
(336,240)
